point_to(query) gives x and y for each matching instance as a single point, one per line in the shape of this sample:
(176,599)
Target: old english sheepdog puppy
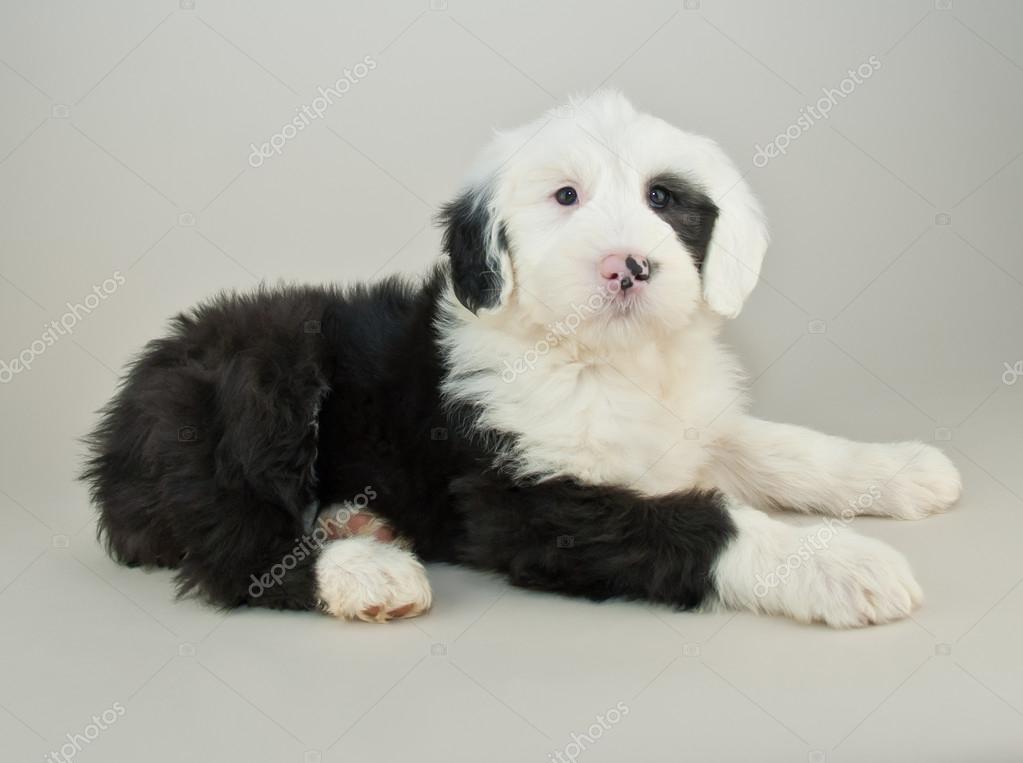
(551,402)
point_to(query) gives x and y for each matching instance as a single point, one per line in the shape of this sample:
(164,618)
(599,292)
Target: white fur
(362,578)
(614,398)
(820,573)
(608,415)
(780,465)
(647,397)
(608,152)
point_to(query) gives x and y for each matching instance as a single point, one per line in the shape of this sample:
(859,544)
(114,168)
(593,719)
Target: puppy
(550,402)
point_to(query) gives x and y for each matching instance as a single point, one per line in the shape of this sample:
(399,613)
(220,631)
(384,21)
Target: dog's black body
(230,433)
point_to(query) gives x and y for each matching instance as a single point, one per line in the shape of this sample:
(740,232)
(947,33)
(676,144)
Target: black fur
(475,259)
(228,434)
(597,542)
(690,213)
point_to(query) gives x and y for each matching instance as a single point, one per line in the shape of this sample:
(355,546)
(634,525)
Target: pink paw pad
(345,523)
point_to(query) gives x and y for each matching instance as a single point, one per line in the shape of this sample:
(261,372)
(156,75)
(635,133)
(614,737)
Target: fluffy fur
(519,410)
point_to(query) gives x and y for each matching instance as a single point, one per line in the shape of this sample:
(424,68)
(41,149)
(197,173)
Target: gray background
(890,308)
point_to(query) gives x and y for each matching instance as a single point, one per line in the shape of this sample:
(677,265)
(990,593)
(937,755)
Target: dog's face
(607,214)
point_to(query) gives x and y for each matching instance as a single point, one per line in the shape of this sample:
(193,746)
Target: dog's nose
(625,269)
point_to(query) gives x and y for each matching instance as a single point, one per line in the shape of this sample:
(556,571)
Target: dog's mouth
(627,290)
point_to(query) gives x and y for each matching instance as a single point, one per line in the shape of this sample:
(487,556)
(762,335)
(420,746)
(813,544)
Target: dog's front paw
(853,582)
(822,573)
(916,481)
(363,578)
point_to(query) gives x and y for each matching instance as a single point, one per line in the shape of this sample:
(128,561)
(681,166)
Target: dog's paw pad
(342,522)
(380,614)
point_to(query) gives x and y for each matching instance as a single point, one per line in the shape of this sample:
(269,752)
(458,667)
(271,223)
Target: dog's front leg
(593,541)
(782,466)
(681,549)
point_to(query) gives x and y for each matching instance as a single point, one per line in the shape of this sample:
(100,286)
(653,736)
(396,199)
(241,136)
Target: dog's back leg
(242,492)
(205,459)
(358,577)
(213,472)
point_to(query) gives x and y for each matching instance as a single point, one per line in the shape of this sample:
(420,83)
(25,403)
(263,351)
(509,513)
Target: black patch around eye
(691,214)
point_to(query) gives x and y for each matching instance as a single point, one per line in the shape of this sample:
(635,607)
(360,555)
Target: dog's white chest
(604,426)
(643,415)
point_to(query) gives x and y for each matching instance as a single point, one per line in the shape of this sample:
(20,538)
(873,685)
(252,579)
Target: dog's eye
(659,197)
(566,196)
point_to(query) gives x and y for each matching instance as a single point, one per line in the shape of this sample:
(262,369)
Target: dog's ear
(738,241)
(476,241)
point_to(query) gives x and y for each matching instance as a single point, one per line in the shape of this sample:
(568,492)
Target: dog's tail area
(204,461)
(148,433)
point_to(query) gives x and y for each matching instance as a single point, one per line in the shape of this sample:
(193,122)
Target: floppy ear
(737,244)
(476,242)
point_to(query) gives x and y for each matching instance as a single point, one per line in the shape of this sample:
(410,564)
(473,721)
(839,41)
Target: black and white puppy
(551,403)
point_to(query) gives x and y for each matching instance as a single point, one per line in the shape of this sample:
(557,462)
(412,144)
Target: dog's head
(600,211)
